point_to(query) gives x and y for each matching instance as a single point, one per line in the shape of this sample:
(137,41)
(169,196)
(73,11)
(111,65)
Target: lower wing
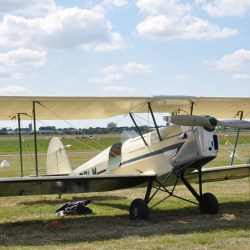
(68,184)
(81,184)
(214,174)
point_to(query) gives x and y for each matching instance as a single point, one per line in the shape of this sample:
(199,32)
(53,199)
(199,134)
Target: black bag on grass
(74,208)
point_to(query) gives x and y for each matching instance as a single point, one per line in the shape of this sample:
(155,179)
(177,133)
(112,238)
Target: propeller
(234,123)
(205,121)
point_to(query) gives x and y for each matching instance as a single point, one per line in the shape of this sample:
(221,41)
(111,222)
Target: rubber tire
(138,210)
(209,204)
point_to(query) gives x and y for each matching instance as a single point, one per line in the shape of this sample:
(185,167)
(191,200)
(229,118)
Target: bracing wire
(99,144)
(81,142)
(237,153)
(249,186)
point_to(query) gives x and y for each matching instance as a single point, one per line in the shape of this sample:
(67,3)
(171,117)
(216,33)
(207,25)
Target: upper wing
(68,184)
(58,108)
(220,107)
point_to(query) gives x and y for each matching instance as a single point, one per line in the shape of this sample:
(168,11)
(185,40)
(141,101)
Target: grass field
(174,224)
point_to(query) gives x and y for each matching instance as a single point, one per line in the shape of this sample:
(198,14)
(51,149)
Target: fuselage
(179,147)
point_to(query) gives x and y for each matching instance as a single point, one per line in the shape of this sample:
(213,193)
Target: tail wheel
(209,204)
(138,210)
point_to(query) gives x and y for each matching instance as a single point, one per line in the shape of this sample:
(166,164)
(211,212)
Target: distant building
(10,132)
(24,131)
(47,130)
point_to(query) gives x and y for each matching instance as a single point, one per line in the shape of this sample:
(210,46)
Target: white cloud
(15,90)
(72,80)
(235,61)
(169,8)
(110,69)
(122,89)
(134,68)
(173,20)
(23,58)
(115,3)
(108,79)
(181,77)
(113,78)
(27,7)
(115,73)
(115,43)
(6,74)
(239,76)
(188,27)
(64,28)
(219,8)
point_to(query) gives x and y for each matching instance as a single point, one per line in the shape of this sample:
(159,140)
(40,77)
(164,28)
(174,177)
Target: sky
(125,48)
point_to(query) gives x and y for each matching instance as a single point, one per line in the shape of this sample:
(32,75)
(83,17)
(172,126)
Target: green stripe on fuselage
(154,153)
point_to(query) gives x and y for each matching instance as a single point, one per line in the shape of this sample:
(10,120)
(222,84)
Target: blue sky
(125,48)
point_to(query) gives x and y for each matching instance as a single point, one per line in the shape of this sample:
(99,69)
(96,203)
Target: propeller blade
(192,120)
(234,123)
(205,121)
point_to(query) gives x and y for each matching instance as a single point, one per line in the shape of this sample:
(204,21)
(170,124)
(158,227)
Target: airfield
(174,224)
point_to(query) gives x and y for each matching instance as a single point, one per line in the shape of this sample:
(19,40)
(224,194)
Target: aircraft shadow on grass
(155,213)
(79,229)
(62,200)
(99,200)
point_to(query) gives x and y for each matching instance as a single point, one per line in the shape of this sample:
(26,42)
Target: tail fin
(57,159)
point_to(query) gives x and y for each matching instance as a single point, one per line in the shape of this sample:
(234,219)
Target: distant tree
(111,125)
(3,131)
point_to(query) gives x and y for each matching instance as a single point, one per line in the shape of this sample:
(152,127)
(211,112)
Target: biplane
(158,160)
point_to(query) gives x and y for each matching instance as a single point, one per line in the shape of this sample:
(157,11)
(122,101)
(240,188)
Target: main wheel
(209,204)
(138,210)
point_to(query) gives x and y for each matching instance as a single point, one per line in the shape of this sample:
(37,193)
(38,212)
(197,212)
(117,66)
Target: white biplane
(158,160)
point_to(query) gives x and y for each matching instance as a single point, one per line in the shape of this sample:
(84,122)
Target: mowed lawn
(174,224)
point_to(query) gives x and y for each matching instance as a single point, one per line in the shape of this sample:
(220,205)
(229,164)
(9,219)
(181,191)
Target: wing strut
(237,137)
(156,127)
(191,108)
(35,140)
(132,118)
(207,202)
(20,140)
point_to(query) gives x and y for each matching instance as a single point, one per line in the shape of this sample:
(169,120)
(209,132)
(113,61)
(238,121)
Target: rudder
(57,159)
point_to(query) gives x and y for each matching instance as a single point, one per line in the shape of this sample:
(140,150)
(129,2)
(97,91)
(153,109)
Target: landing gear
(138,210)
(208,204)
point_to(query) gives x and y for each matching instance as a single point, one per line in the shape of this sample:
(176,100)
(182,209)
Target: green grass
(81,142)
(82,149)
(174,224)
(11,143)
